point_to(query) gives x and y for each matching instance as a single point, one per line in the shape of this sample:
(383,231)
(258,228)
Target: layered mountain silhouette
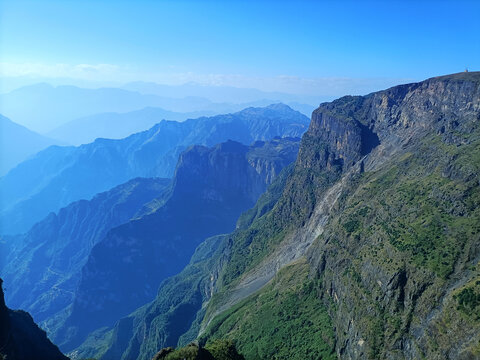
(58,176)
(366,246)
(17,143)
(52,106)
(174,316)
(82,256)
(114,125)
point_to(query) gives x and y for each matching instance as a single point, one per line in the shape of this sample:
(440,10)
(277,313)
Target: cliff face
(383,202)
(351,127)
(21,338)
(402,244)
(230,171)
(211,187)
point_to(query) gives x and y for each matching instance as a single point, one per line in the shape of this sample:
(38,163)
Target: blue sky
(276,45)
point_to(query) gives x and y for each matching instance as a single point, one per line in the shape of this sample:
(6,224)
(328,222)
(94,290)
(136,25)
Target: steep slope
(211,187)
(379,220)
(60,175)
(21,338)
(285,320)
(115,125)
(17,143)
(160,323)
(385,198)
(45,263)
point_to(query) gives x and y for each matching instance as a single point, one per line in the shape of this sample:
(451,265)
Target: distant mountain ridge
(17,143)
(229,94)
(59,175)
(52,106)
(115,125)
(218,94)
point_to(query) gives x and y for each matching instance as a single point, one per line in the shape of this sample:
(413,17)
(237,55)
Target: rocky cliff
(21,338)
(404,236)
(371,247)
(383,202)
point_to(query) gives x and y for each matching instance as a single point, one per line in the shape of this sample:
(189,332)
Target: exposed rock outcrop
(380,213)
(391,247)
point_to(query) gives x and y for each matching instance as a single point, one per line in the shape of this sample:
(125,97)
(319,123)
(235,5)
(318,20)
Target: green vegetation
(285,320)
(419,209)
(223,350)
(419,215)
(469,300)
(217,350)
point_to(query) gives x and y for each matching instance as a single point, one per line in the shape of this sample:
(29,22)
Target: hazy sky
(290,46)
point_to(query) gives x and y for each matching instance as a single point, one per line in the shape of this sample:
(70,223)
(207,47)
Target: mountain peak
(280,107)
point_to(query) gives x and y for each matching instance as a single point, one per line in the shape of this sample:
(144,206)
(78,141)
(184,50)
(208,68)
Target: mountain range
(45,263)
(390,244)
(211,188)
(50,107)
(58,175)
(115,125)
(368,248)
(227,94)
(145,229)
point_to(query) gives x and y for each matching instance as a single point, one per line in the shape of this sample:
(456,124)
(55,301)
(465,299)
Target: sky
(304,47)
